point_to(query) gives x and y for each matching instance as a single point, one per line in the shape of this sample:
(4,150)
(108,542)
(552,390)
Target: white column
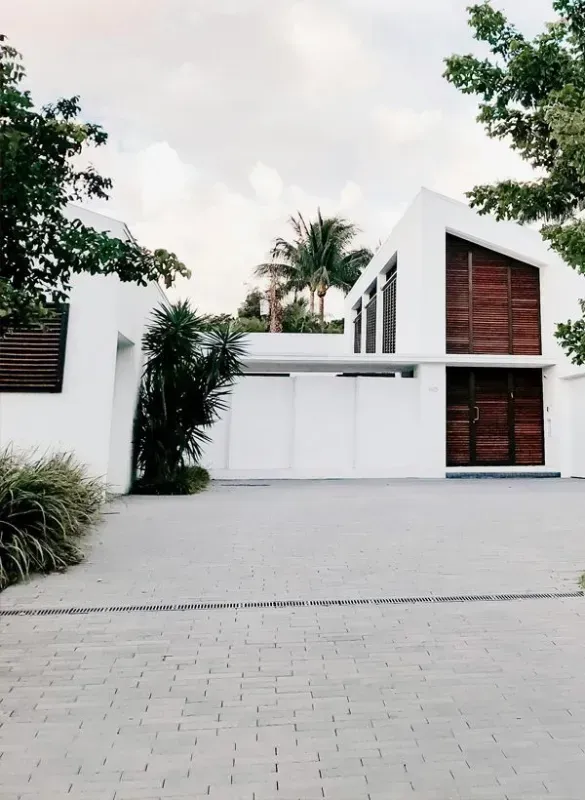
(433,420)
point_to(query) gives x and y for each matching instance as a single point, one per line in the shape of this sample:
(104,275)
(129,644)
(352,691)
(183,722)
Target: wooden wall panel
(492,302)
(525,296)
(32,360)
(490,309)
(494,417)
(457,292)
(458,417)
(528,417)
(491,425)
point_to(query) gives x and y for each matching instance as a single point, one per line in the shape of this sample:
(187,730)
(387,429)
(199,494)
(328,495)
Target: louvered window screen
(33,359)
(357,333)
(371,325)
(493,302)
(389,315)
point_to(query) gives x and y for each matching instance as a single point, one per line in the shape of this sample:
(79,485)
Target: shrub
(46,505)
(190,367)
(188,480)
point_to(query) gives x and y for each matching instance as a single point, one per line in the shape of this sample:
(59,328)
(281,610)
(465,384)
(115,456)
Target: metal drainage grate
(268,604)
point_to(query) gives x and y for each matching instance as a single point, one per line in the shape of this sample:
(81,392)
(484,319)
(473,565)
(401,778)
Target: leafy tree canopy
(533,95)
(40,249)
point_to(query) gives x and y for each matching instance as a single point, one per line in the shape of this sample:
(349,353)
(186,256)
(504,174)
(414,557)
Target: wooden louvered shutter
(491,426)
(528,417)
(525,297)
(457,289)
(490,302)
(458,417)
(33,360)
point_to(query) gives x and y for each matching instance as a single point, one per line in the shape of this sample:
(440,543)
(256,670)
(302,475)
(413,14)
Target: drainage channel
(276,604)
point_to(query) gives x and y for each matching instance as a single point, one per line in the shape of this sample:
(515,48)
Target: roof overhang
(380,364)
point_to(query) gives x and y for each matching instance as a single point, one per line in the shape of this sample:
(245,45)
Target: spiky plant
(189,370)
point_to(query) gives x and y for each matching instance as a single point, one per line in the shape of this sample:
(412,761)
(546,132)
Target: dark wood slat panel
(496,308)
(32,360)
(525,291)
(492,428)
(528,417)
(458,417)
(457,292)
(491,316)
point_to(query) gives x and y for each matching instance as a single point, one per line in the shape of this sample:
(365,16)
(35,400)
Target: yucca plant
(46,505)
(190,366)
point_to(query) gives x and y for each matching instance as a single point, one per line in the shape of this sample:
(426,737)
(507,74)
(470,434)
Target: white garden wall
(575,418)
(321,426)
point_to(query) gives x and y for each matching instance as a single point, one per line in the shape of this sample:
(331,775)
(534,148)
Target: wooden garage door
(494,417)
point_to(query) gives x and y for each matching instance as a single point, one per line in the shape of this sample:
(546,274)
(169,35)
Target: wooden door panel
(528,417)
(491,428)
(458,417)
(494,417)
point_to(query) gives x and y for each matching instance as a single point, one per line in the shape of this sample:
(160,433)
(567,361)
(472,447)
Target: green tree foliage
(40,249)
(320,256)
(190,366)
(252,305)
(296,317)
(533,95)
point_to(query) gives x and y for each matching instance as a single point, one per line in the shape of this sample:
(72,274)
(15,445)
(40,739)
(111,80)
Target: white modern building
(73,386)
(449,365)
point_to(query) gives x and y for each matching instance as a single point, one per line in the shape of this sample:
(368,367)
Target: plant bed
(47,504)
(189,480)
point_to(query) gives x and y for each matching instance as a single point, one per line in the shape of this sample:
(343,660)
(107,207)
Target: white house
(73,387)
(448,366)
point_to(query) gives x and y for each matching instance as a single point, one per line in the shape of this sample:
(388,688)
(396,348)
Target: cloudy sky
(226,116)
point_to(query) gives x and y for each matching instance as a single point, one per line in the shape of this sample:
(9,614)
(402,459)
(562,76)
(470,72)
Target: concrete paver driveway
(437,700)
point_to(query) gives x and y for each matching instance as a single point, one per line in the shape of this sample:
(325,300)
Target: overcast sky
(226,116)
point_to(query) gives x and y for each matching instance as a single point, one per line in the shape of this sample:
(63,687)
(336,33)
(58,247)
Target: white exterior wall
(575,405)
(297,344)
(92,416)
(324,426)
(419,242)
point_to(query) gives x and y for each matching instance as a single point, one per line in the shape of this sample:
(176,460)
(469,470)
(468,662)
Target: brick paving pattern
(470,700)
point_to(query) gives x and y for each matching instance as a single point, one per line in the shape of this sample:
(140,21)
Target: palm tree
(319,257)
(190,366)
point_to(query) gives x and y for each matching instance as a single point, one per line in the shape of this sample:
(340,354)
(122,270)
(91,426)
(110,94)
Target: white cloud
(335,59)
(405,125)
(266,182)
(227,116)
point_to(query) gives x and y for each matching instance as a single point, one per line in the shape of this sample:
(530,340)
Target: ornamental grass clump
(47,504)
